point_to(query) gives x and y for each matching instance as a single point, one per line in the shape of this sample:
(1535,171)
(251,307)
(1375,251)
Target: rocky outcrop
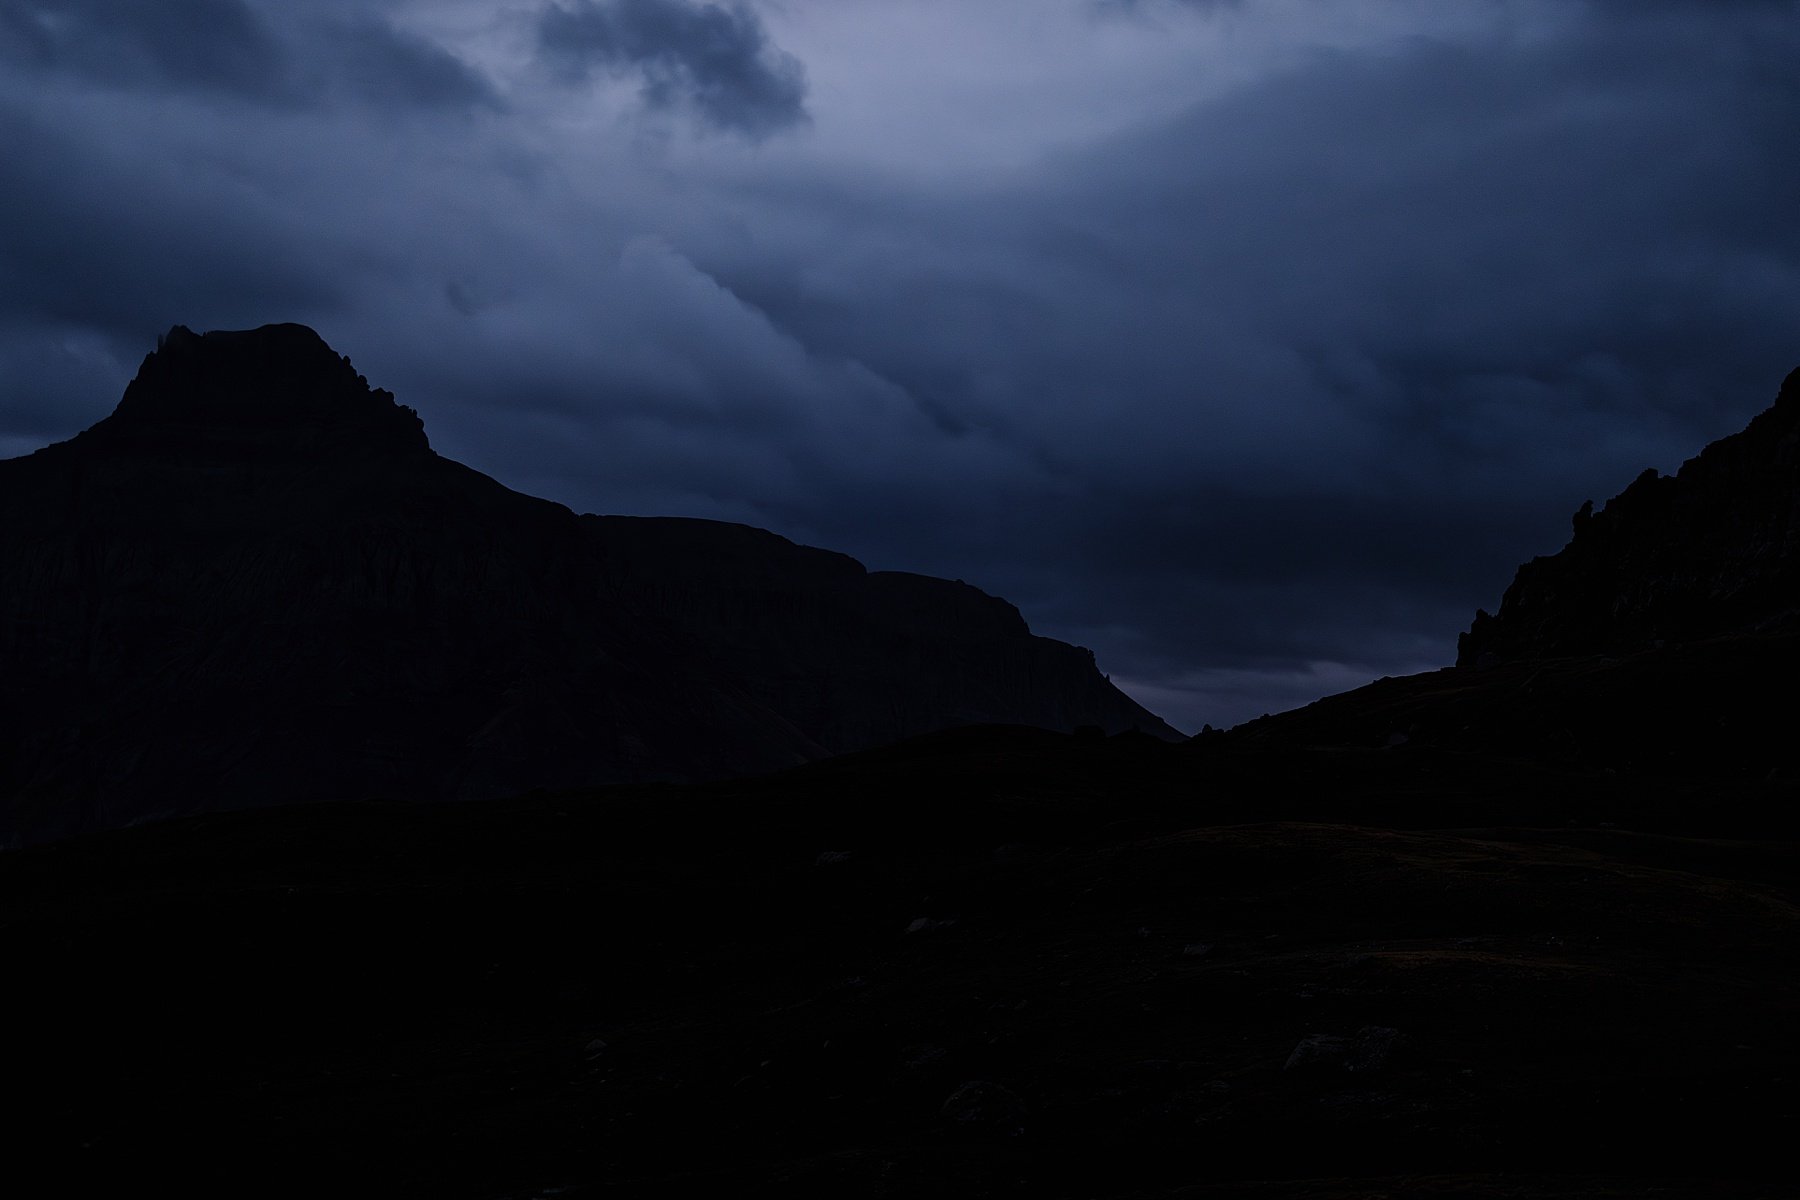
(256,584)
(1710,551)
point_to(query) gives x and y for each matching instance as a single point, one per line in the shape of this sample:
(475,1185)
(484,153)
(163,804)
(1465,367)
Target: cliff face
(255,583)
(1710,551)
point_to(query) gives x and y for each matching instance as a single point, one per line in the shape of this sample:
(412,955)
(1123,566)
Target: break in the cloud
(716,59)
(1250,344)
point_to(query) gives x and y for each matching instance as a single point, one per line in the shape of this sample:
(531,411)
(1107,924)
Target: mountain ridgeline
(255,584)
(1516,931)
(1709,552)
(1628,676)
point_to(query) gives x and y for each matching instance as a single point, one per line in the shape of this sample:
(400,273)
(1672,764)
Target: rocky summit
(1636,667)
(255,584)
(1711,551)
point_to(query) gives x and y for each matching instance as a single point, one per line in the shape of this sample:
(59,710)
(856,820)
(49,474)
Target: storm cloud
(1251,344)
(715,59)
(199,45)
(232,50)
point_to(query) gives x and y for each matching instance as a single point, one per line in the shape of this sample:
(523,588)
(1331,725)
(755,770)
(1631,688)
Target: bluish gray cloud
(275,55)
(103,239)
(197,45)
(380,64)
(715,59)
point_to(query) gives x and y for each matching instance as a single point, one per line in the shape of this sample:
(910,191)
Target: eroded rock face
(1710,551)
(255,583)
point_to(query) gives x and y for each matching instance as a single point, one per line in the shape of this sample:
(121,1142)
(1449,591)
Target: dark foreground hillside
(995,962)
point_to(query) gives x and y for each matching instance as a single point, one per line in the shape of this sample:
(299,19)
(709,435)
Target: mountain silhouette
(1515,931)
(255,583)
(1627,679)
(1710,551)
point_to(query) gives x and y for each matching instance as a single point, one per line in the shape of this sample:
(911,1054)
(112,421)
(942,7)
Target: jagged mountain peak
(277,388)
(1712,550)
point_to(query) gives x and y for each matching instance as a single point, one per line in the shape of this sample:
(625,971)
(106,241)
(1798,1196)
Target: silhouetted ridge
(1709,551)
(255,584)
(280,386)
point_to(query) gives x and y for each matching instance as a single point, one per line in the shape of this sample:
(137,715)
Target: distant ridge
(255,583)
(1634,677)
(1710,551)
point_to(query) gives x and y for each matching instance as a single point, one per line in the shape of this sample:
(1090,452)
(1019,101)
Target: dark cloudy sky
(1250,343)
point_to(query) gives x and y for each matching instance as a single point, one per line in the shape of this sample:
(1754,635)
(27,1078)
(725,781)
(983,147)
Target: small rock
(929,925)
(1320,1052)
(595,1048)
(922,1054)
(985,1108)
(1370,1050)
(832,858)
(1196,949)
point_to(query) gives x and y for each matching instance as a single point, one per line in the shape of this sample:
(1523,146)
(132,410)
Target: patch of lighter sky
(1224,697)
(497,39)
(944,92)
(946,88)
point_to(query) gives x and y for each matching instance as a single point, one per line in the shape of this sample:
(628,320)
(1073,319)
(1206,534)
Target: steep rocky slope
(255,583)
(1710,551)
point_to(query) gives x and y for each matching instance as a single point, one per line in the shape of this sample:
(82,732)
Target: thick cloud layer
(1251,344)
(231,50)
